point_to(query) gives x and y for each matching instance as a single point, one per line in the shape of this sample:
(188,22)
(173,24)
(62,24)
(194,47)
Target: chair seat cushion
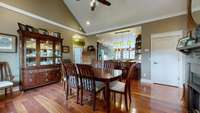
(5,84)
(117,86)
(99,85)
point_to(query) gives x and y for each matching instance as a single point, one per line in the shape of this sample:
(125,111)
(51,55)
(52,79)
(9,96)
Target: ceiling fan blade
(105,2)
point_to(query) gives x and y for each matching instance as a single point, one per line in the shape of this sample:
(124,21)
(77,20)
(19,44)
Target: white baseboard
(146,80)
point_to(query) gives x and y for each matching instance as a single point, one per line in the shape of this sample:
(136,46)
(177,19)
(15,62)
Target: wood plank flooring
(146,98)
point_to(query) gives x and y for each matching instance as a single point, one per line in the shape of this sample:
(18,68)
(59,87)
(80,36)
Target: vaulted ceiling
(123,13)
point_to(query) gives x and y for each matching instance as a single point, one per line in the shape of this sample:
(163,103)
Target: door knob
(155,63)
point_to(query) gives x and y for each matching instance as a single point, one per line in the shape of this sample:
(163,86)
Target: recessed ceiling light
(87,23)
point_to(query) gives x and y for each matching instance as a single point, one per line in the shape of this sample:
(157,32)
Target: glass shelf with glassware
(46,49)
(30,50)
(58,51)
(39,50)
(31,61)
(46,61)
(30,45)
(58,61)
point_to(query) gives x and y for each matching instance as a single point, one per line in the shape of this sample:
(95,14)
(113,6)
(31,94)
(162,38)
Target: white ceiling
(123,13)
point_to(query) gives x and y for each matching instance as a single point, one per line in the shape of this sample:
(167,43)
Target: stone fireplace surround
(194,82)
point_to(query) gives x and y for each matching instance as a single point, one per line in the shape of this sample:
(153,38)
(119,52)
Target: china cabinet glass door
(30,52)
(46,52)
(58,53)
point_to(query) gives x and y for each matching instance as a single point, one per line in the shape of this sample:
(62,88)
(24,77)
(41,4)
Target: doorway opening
(77,55)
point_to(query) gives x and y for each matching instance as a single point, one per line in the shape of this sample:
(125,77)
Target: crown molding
(21,11)
(137,23)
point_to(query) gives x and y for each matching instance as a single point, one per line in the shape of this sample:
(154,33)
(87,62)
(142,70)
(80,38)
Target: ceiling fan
(94,2)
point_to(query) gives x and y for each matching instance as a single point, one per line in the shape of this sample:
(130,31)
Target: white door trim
(182,59)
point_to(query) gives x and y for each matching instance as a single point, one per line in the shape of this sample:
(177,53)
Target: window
(132,54)
(125,54)
(122,47)
(125,47)
(118,55)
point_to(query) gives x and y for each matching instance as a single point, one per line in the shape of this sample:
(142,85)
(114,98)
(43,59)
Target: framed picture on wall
(65,49)
(8,43)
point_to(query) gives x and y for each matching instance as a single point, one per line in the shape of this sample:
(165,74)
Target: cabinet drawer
(39,77)
(29,78)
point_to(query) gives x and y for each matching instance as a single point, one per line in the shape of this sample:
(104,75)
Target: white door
(165,60)
(78,55)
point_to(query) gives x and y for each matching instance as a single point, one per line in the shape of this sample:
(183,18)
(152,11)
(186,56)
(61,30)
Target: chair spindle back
(71,74)
(86,75)
(5,72)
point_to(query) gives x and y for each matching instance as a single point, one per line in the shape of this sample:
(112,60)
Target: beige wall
(9,20)
(54,10)
(196,16)
(166,25)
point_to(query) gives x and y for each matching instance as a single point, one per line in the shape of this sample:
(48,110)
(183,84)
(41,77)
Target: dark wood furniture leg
(77,97)
(5,91)
(114,95)
(11,91)
(126,102)
(70,91)
(94,101)
(81,96)
(108,97)
(64,84)
(67,91)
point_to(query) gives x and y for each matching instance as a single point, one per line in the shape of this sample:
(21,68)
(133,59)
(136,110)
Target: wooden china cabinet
(40,57)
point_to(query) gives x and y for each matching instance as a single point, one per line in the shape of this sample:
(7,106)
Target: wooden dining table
(107,76)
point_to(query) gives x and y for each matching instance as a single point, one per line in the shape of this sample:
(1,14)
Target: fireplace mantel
(188,49)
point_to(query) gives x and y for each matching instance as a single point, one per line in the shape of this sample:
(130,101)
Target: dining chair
(63,73)
(123,88)
(96,64)
(88,83)
(63,77)
(71,79)
(109,65)
(6,77)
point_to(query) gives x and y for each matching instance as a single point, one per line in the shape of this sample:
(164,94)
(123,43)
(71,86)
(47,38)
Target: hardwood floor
(146,98)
